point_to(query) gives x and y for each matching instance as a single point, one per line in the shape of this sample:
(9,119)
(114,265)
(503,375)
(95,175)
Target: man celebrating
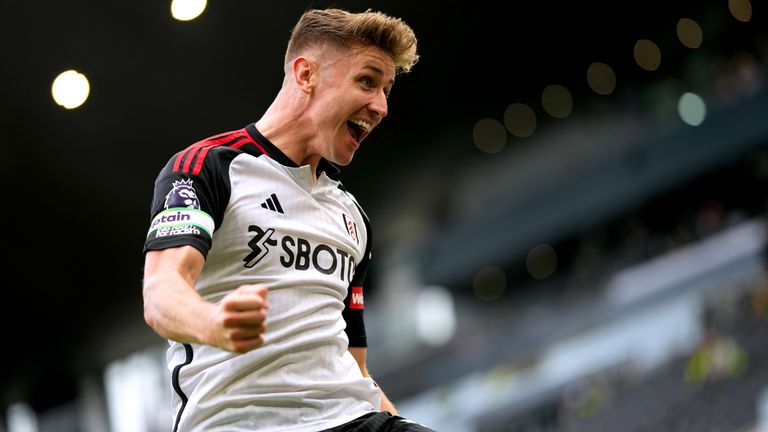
(256,256)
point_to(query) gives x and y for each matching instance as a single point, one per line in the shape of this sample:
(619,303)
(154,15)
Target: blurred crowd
(714,385)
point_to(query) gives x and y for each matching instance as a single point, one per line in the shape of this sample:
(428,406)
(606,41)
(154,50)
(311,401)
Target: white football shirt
(260,219)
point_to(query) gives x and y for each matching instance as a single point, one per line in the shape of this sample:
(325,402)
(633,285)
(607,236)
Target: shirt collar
(265,146)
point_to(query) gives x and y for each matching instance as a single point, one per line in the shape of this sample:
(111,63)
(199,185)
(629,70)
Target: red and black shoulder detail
(192,159)
(194,187)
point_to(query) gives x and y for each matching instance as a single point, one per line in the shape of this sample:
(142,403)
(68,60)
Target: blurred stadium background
(568,202)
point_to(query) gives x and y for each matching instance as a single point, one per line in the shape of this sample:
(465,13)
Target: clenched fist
(238,321)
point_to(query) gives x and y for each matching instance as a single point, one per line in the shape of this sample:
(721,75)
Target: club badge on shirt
(351,227)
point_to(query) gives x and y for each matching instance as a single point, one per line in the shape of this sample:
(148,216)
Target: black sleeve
(353,304)
(188,203)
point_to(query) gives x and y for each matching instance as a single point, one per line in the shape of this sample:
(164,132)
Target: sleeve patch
(181,221)
(356,302)
(182,194)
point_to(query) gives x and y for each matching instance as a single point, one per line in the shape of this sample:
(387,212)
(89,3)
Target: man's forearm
(174,311)
(386,404)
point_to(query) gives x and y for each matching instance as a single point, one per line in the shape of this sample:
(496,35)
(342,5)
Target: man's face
(351,99)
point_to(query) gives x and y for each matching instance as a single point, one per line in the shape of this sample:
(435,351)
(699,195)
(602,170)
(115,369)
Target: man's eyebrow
(378,71)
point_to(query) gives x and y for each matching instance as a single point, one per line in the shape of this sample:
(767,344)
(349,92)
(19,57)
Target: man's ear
(304,73)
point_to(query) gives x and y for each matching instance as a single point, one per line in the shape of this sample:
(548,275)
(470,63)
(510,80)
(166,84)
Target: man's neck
(286,137)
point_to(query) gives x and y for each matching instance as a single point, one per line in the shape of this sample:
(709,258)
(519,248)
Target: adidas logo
(273,204)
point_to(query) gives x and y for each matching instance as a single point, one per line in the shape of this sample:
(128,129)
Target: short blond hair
(345,29)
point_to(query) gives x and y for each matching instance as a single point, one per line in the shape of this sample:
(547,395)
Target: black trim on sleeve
(212,189)
(354,318)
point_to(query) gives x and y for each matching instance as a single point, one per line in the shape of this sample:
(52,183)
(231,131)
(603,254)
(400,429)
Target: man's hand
(238,320)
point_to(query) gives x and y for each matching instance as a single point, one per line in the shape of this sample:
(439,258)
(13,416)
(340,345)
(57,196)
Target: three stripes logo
(272,203)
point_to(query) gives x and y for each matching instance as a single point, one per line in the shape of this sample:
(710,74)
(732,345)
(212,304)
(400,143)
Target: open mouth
(359,129)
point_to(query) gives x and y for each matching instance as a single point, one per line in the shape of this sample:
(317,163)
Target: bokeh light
(436,316)
(740,9)
(70,89)
(489,284)
(489,135)
(601,78)
(692,109)
(186,10)
(689,33)
(647,55)
(541,261)
(520,120)
(557,101)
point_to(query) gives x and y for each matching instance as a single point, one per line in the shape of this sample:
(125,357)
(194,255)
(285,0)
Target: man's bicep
(184,261)
(172,306)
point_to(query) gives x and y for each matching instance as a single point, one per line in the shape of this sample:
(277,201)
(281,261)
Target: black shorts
(380,422)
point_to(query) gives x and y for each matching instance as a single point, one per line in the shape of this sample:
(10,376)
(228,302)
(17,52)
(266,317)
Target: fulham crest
(351,227)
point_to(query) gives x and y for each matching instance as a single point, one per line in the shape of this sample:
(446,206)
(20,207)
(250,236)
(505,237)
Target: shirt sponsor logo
(356,302)
(259,245)
(300,254)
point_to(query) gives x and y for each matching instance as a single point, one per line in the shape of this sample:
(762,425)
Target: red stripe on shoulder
(194,155)
(247,139)
(188,162)
(200,159)
(182,155)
